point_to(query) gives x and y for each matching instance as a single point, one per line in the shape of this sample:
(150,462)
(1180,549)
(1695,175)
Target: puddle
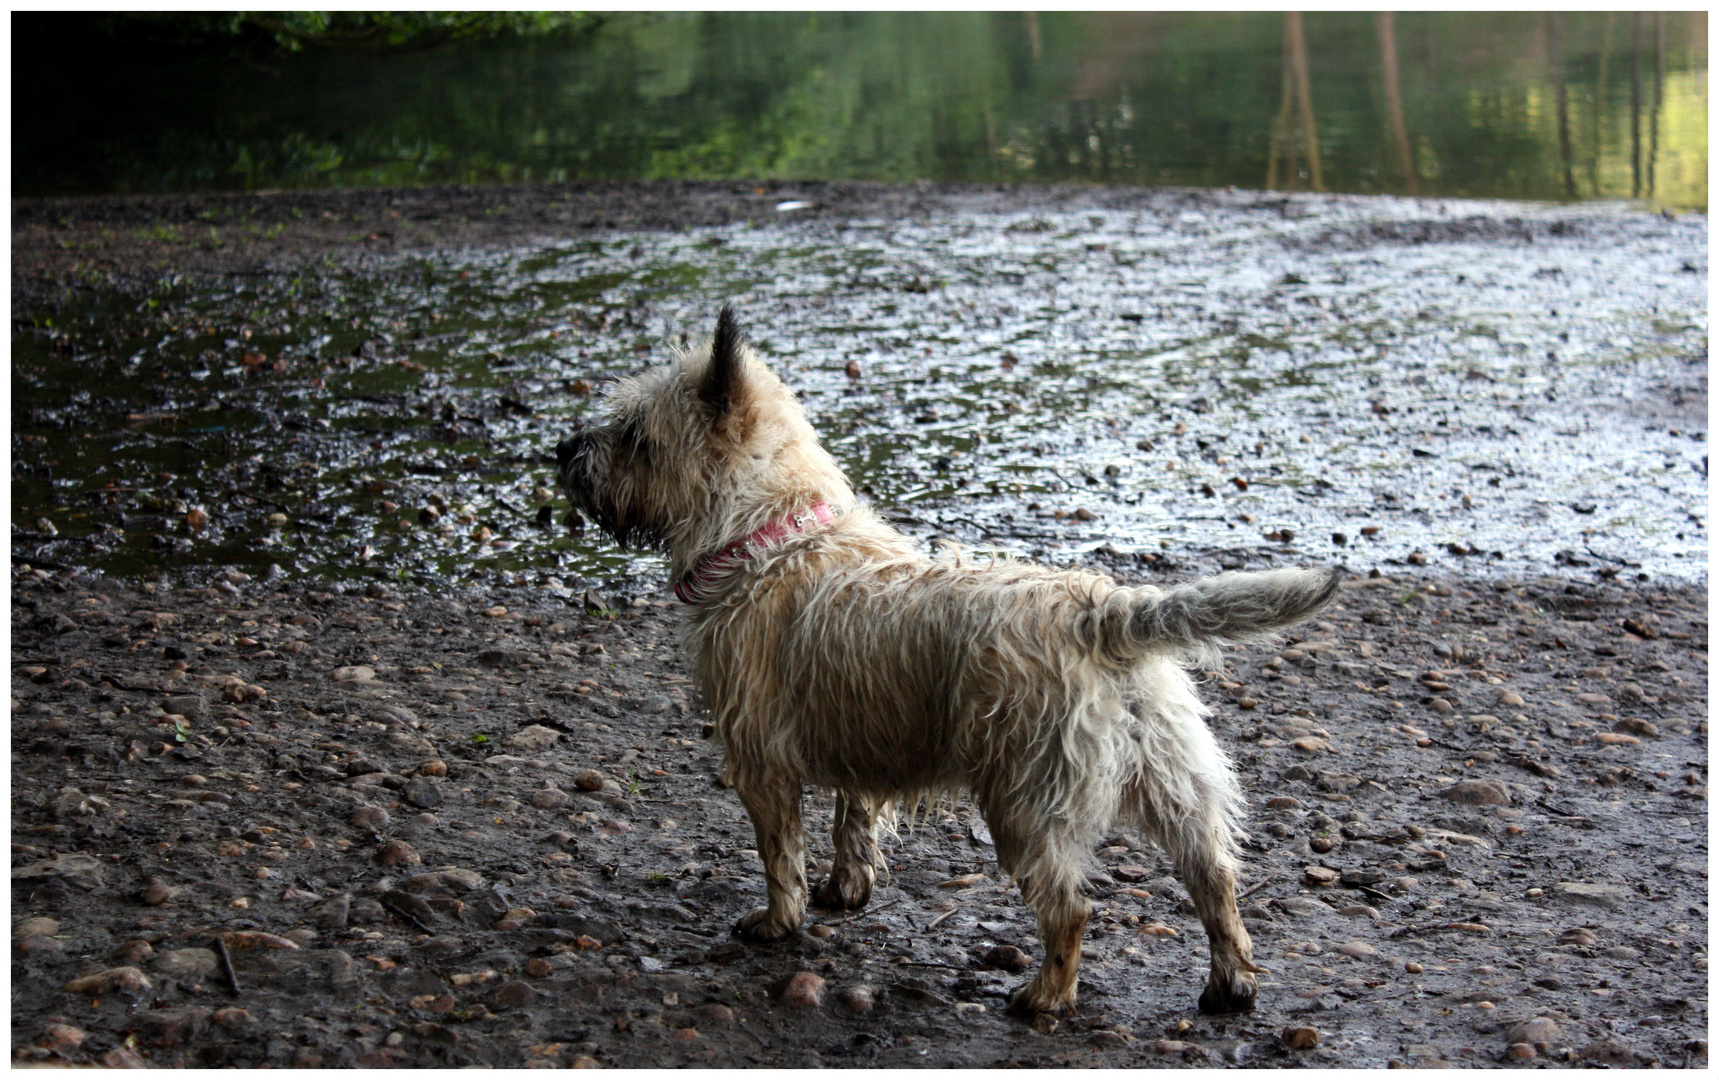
(1501,388)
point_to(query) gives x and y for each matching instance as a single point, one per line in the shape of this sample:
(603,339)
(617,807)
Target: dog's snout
(565,449)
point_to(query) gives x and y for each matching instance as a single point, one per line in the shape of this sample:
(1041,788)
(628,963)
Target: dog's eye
(630,438)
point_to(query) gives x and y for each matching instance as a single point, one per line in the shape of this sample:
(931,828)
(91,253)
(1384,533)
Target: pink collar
(695,586)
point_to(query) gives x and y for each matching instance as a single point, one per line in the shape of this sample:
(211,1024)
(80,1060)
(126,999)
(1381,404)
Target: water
(1482,104)
(1497,388)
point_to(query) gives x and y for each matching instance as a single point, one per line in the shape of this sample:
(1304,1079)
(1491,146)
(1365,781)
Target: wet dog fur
(846,659)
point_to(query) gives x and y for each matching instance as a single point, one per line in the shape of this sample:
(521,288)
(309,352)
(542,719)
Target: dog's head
(691,455)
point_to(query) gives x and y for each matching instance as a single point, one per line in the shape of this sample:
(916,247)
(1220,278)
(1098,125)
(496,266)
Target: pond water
(1515,105)
(1493,388)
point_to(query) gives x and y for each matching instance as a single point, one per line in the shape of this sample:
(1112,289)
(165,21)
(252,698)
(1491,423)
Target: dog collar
(695,585)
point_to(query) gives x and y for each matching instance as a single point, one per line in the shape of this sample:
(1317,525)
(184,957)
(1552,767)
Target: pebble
(1520,1051)
(334,914)
(513,995)
(38,925)
(1608,1052)
(1510,697)
(433,767)
(62,1037)
(1007,958)
(1311,745)
(803,990)
(1441,706)
(531,739)
(398,853)
(243,940)
(1478,792)
(37,943)
(190,706)
(1300,1038)
(369,817)
(423,792)
(134,951)
(1612,738)
(1318,875)
(589,780)
(452,879)
(1637,727)
(1360,950)
(550,799)
(1413,968)
(186,965)
(858,998)
(717,1015)
(119,980)
(155,892)
(1603,896)
(169,1027)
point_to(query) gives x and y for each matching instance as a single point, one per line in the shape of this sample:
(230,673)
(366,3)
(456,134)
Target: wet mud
(332,745)
(1480,387)
(488,829)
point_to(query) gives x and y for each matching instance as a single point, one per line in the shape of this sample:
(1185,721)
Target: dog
(833,653)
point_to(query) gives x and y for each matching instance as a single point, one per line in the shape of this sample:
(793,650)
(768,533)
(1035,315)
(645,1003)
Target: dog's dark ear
(723,380)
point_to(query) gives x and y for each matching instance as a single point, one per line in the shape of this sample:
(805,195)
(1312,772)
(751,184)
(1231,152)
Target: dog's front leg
(854,871)
(774,807)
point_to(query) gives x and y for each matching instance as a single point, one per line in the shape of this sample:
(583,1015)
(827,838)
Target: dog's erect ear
(723,381)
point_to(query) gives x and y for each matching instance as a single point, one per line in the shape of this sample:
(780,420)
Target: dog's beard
(587,478)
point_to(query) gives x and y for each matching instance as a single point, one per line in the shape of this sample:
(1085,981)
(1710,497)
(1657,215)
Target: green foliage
(371,31)
(1145,98)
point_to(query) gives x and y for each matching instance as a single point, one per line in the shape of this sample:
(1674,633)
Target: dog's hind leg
(855,868)
(774,807)
(1198,846)
(1046,863)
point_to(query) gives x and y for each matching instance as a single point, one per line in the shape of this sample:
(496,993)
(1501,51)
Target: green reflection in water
(1517,105)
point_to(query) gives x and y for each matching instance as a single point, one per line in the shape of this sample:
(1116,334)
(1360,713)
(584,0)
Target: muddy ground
(1473,805)
(61,241)
(485,827)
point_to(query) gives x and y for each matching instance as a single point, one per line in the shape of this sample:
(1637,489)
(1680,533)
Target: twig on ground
(227,964)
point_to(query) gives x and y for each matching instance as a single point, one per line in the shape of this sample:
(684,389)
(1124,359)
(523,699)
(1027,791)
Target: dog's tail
(1227,609)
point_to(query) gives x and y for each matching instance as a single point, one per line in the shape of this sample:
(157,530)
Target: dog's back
(889,673)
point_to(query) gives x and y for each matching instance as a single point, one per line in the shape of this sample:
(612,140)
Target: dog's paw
(844,891)
(1031,1000)
(1233,993)
(757,926)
